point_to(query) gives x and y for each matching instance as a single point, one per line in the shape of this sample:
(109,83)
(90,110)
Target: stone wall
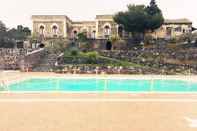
(14,59)
(100,44)
(9,58)
(32,59)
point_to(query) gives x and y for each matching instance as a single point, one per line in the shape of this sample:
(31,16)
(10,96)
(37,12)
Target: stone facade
(102,27)
(173,28)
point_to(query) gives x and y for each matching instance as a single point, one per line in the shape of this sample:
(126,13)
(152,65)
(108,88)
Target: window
(75,34)
(54,30)
(178,29)
(120,31)
(41,30)
(107,31)
(169,31)
(93,34)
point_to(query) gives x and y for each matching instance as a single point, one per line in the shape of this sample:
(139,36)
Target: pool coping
(42,75)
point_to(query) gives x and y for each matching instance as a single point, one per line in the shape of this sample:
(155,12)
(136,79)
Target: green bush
(173,40)
(92,57)
(148,39)
(74,52)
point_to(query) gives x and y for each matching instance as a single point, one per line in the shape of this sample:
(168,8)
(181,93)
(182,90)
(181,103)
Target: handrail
(35,51)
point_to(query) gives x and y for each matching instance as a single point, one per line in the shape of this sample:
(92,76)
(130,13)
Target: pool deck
(96,111)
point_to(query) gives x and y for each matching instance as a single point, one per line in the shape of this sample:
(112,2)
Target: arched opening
(120,31)
(108,45)
(107,31)
(94,34)
(75,34)
(41,29)
(54,30)
(41,45)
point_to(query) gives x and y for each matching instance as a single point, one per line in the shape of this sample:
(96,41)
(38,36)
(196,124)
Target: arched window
(120,31)
(54,30)
(178,29)
(94,34)
(107,31)
(41,30)
(75,34)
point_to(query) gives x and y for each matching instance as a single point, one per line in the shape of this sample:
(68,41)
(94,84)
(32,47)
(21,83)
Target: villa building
(102,27)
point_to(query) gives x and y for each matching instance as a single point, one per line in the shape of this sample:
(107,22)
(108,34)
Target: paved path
(97,112)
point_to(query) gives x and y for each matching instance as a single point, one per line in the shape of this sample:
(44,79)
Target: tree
(2,30)
(21,33)
(3,34)
(134,19)
(8,37)
(155,16)
(2,27)
(57,45)
(82,37)
(82,41)
(140,18)
(152,8)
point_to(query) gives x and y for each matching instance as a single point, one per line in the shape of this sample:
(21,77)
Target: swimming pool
(102,85)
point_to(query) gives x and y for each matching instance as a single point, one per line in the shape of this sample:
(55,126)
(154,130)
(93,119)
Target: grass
(93,58)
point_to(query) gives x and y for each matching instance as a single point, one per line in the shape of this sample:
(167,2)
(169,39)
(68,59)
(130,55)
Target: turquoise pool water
(101,85)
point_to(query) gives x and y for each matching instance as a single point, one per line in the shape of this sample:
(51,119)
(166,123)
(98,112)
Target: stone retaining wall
(31,59)
(14,58)
(9,57)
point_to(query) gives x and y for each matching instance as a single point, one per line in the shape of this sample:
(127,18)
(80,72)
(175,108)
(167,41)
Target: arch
(41,45)
(74,33)
(107,24)
(41,29)
(107,30)
(108,45)
(54,28)
(93,34)
(54,24)
(120,31)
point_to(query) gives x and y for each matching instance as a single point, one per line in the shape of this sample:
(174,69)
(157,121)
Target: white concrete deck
(96,111)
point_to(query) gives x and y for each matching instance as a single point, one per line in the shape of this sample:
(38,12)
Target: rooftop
(167,21)
(84,22)
(50,17)
(104,16)
(177,21)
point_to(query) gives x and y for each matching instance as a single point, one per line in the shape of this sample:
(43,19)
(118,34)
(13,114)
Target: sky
(18,12)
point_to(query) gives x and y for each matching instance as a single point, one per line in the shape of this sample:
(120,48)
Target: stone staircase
(47,63)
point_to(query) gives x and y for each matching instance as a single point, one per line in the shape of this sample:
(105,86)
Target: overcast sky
(14,12)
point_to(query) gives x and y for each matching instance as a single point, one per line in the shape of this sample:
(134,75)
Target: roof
(50,17)
(104,16)
(177,21)
(84,22)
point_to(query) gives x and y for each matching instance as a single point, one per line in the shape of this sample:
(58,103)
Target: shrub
(173,40)
(74,52)
(92,57)
(120,45)
(57,45)
(148,39)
